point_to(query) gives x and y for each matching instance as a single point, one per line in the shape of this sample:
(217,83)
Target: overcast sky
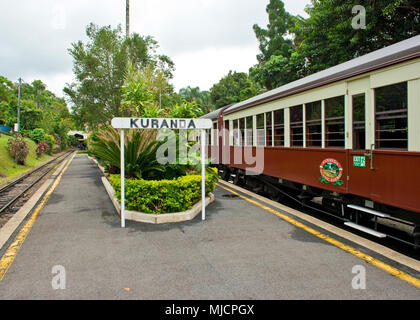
(205,38)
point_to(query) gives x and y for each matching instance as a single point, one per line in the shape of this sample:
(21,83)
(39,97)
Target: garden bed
(155,218)
(185,191)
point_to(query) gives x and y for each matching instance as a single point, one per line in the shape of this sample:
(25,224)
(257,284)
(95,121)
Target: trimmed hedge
(163,196)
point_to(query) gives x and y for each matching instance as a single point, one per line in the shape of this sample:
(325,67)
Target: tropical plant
(140,151)
(37,135)
(42,148)
(50,140)
(18,149)
(186,110)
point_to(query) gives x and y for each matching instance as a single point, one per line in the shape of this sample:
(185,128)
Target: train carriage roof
(399,52)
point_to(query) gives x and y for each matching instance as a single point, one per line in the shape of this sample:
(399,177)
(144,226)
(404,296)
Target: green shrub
(18,149)
(37,135)
(41,148)
(163,196)
(49,139)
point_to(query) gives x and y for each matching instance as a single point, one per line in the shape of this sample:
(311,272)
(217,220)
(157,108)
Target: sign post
(122,180)
(161,123)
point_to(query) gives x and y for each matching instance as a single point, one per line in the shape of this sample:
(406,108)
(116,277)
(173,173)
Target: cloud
(205,38)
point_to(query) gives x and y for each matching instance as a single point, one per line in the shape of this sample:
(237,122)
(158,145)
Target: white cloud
(58,21)
(205,38)
(203,68)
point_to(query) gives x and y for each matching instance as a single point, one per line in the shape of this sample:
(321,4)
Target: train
(347,138)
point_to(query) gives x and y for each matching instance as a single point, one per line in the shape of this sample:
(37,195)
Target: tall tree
(274,67)
(234,87)
(100,67)
(201,98)
(328,36)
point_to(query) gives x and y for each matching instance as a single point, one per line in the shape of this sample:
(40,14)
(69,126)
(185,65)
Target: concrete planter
(155,218)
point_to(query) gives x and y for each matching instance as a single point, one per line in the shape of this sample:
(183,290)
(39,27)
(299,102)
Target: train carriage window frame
(260,130)
(313,124)
(269,129)
(359,121)
(391,117)
(249,121)
(236,133)
(226,133)
(334,121)
(241,132)
(215,134)
(296,126)
(278,128)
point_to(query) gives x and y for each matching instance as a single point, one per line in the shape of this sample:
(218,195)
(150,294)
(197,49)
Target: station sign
(160,123)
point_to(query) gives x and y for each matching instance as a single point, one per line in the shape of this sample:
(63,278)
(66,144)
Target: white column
(203,176)
(287,127)
(122,181)
(323,136)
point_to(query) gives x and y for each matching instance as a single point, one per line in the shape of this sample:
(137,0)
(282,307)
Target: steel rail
(7,187)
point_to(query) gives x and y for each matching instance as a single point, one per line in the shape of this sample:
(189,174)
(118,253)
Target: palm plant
(140,151)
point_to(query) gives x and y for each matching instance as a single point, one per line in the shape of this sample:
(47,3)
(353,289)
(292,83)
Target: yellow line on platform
(381,265)
(11,252)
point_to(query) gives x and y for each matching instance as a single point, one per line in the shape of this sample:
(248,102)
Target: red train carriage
(349,135)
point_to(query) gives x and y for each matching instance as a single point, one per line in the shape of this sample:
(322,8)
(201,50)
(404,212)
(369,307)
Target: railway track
(12,192)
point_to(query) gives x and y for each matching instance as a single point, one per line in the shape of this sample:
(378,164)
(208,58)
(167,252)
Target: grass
(9,170)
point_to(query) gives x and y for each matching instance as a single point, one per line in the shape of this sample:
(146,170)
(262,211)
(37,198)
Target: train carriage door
(359,165)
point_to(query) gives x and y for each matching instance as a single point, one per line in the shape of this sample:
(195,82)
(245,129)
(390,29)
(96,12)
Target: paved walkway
(239,252)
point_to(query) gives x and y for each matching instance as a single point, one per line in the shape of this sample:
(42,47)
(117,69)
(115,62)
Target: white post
(203,175)
(122,181)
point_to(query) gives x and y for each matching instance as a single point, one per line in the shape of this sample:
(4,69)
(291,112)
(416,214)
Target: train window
(242,132)
(296,126)
(334,122)
(313,124)
(249,131)
(215,134)
(359,126)
(260,130)
(279,128)
(391,117)
(226,133)
(236,141)
(269,128)
(208,136)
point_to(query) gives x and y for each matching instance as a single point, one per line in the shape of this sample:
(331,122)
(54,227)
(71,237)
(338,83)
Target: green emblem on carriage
(331,172)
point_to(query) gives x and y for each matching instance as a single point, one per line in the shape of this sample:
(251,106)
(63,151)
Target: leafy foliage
(42,148)
(201,98)
(101,67)
(40,109)
(50,140)
(164,196)
(186,110)
(234,87)
(140,151)
(37,134)
(294,47)
(18,149)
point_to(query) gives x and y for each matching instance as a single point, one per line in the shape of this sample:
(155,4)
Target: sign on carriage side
(161,123)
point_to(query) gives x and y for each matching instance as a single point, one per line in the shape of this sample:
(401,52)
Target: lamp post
(18,126)
(127,18)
